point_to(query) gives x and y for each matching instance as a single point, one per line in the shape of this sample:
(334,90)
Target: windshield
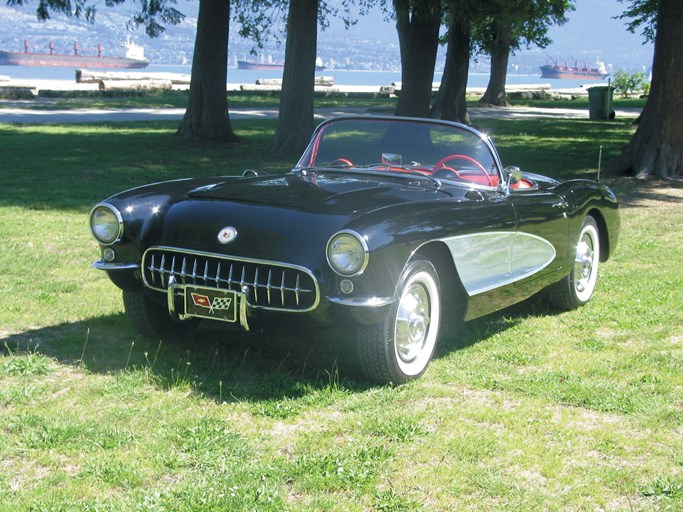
(443,151)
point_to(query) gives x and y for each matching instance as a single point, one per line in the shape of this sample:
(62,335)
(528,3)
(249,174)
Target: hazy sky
(591,32)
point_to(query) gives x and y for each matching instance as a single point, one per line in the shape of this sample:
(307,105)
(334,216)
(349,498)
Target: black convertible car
(388,225)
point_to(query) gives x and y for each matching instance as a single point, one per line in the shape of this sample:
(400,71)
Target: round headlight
(106,224)
(347,253)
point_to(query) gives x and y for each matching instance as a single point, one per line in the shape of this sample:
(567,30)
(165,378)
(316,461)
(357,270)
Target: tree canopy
(642,14)
(151,14)
(505,26)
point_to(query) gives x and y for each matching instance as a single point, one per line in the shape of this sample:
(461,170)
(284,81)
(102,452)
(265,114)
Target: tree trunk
(495,91)
(296,123)
(206,117)
(418,35)
(451,101)
(656,149)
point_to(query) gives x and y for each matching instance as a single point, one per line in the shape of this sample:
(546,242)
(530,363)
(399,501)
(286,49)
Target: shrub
(625,85)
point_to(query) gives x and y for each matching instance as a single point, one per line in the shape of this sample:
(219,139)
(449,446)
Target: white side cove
(490,260)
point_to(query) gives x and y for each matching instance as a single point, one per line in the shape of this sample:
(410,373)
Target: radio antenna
(599,163)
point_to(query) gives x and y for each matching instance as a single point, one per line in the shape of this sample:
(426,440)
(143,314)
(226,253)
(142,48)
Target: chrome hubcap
(412,322)
(583,262)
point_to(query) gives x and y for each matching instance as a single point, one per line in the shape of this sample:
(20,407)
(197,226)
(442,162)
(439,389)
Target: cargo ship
(134,59)
(574,73)
(272,66)
(246,64)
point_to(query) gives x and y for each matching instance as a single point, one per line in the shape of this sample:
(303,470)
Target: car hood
(286,218)
(338,193)
(280,217)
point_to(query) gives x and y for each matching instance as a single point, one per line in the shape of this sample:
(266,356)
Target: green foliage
(27,363)
(643,13)
(151,14)
(527,22)
(628,84)
(261,20)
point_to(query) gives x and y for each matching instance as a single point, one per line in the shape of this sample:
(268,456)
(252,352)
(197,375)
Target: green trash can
(600,102)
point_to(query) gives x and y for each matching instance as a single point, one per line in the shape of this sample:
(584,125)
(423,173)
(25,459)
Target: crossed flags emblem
(218,303)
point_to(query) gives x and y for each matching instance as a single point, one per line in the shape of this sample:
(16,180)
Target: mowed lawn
(528,409)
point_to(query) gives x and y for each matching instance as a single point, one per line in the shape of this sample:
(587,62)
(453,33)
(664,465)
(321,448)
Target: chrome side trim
(105,265)
(373,302)
(486,261)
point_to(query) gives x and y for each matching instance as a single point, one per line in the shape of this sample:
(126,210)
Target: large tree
(656,148)
(451,99)
(295,123)
(258,17)
(510,25)
(417,23)
(206,117)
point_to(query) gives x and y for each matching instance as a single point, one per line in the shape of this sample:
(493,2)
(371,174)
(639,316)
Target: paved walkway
(94,115)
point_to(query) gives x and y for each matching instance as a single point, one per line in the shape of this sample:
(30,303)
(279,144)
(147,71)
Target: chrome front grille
(266,284)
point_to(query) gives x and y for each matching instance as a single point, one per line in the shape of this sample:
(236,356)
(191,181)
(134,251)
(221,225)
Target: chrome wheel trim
(586,262)
(416,325)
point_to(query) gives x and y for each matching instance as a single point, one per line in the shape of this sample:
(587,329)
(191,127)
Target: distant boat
(134,59)
(248,64)
(575,72)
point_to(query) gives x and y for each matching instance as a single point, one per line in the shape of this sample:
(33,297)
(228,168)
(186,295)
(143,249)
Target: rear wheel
(399,349)
(151,319)
(577,288)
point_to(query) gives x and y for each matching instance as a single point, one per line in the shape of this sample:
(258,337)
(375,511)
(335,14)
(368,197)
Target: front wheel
(151,319)
(577,288)
(400,348)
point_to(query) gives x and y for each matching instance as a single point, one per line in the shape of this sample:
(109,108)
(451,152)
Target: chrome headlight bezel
(347,253)
(106,224)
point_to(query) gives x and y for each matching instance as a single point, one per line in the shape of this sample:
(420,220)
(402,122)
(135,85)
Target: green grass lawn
(527,409)
(51,100)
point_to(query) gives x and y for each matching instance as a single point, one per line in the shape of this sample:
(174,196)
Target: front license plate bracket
(211,303)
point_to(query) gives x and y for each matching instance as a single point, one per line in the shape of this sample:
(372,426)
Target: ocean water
(340,76)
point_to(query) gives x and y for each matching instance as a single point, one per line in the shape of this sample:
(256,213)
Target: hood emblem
(227,235)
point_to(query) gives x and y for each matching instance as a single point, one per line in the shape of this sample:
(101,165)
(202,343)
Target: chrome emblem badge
(227,235)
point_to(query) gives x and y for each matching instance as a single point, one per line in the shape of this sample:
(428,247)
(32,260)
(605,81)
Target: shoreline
(177,81)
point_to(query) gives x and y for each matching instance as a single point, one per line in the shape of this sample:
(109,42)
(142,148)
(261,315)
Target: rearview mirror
(392,159)
(514,175)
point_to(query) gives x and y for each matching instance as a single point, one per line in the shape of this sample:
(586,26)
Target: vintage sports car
(387,225)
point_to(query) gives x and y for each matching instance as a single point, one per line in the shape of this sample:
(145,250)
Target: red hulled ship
(134,59)
(575,72)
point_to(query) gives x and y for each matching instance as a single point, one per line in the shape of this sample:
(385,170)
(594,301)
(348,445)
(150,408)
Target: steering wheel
(441,164)
(343,163)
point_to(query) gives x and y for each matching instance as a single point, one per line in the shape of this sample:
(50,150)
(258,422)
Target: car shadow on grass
(231,364)
(214,361)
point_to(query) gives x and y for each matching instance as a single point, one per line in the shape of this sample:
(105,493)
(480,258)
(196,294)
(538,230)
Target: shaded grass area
(53,100)
(257,99)
(526,409)
(562,149)
(73,166)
